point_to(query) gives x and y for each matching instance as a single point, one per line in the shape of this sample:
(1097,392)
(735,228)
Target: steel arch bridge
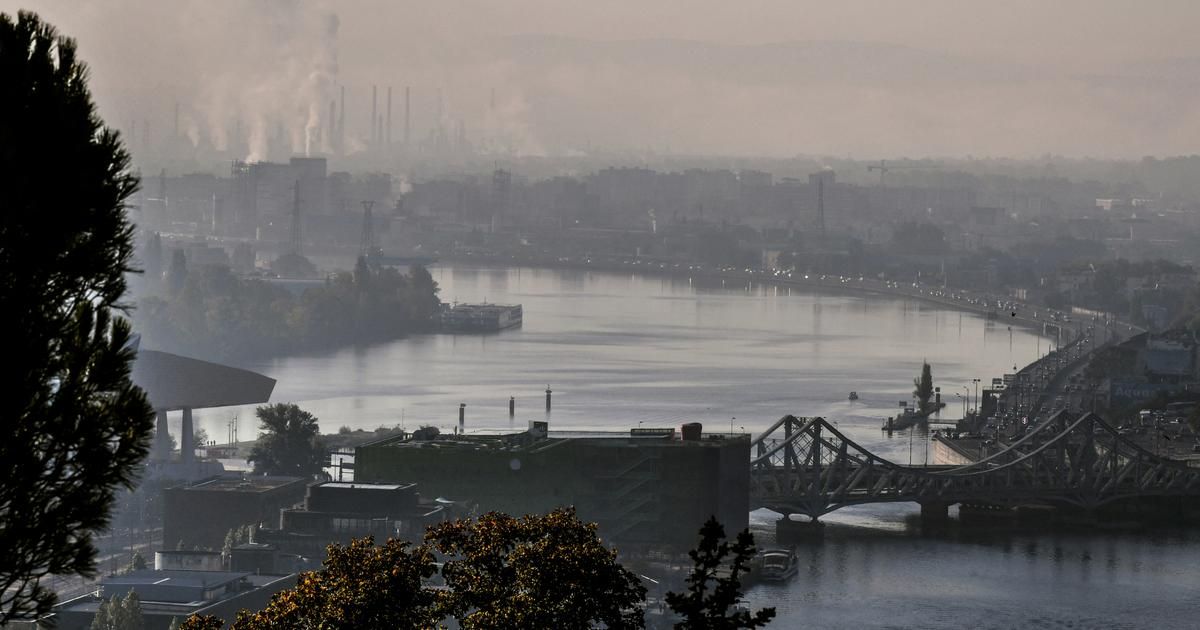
(806,466)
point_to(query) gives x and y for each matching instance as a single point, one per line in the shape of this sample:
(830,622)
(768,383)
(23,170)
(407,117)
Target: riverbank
(1000,308)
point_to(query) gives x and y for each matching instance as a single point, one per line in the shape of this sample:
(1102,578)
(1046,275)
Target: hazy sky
(863,78)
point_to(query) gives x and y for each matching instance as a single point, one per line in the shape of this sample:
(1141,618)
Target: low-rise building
(168,596)
(201,514)
(337,512)
(651,487)
(188,560)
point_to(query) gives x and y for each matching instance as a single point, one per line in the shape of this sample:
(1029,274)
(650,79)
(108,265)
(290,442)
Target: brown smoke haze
(772,78)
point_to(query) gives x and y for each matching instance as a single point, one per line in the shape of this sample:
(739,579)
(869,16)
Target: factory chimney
(331,142)
(821,204)
(388,138)
(374,111)
(407,111)
(341,138)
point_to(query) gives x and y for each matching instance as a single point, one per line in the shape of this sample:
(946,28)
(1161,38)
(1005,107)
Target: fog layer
(775,78)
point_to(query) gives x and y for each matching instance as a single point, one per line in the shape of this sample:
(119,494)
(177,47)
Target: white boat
(777,565)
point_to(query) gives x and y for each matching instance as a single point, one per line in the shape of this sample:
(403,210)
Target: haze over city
(865,79)
(632,314)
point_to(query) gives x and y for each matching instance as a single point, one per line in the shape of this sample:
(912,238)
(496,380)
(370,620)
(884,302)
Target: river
(622,351)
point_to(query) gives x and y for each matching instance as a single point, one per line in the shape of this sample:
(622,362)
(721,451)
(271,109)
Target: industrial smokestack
(374,112)
(388,137)
(342,124)
(176,119)
(407,112)
(332,125)
(821,203)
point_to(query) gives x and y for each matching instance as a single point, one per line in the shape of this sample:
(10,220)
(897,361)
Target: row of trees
(211,313)
(539,571)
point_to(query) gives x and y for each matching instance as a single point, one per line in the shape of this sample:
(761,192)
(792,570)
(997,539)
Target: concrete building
(648,487)
(174,595)
(336,512)
(188,560)
(201,514)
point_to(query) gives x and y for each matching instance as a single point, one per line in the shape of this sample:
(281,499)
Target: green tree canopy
(290,442)
(75,425)
(119,613)
(712,594)
(538,571)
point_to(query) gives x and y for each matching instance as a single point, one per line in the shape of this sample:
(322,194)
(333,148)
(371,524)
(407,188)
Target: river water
(622,351)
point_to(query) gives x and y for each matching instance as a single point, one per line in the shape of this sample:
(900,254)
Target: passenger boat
(777,565)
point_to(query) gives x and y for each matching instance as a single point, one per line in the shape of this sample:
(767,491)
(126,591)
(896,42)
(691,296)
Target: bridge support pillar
(787,530)
(187,439)
(162,439)
(935,512)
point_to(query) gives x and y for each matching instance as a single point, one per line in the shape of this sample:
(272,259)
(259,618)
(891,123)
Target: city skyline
(866,79)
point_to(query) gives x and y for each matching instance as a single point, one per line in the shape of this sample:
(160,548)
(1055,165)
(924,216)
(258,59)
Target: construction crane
(883,168)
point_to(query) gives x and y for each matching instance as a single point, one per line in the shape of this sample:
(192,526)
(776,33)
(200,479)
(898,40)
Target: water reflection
(960,576)
(624,349)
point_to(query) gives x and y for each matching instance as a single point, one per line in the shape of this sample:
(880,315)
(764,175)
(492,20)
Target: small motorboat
(853,396)
(777,565)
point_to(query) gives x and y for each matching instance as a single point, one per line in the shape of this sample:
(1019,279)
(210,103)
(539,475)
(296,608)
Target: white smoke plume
(255,78)
(250,77)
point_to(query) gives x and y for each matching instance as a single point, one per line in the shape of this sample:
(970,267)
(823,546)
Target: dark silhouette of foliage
(712,596)
(923,387)
(75,426)
(152,257)
(138,562)
(360,587)
(217,315)
(290,442)
(538,571)
(293,265)
(177,274)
